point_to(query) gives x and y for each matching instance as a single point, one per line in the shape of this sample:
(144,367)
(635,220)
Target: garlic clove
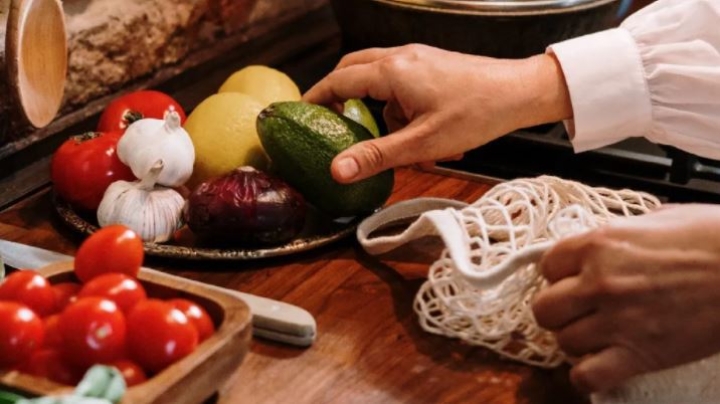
(148,140)
(153,212)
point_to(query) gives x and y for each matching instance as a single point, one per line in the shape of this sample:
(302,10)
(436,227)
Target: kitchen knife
(271,319)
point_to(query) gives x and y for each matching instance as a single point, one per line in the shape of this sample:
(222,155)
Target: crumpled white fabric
(657,76)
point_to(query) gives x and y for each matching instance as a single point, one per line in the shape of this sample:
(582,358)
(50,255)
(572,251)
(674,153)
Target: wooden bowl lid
(36,58)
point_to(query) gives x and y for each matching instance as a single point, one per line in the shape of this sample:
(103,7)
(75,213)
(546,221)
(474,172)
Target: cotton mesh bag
(481,286)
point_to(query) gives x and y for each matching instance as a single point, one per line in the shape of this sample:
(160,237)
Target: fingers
(371,157)
(355,81)
(364,56)
(561,304)
(454,157)
(607,369)
(564,259)
(394,116)
(585,336)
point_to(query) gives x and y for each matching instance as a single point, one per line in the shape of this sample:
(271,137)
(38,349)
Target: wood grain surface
(370,348)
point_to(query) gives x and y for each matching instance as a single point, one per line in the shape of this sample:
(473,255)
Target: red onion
(246,205)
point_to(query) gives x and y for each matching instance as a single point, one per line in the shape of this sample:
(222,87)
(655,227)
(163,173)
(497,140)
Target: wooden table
(369,348)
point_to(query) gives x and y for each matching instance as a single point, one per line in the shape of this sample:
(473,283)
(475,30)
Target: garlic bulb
(152,212)
(148,140)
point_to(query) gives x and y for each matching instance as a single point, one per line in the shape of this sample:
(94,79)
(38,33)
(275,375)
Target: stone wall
(115,43)
(112,42)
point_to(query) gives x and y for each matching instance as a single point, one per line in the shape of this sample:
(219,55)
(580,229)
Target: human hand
(439,103)
(639,295)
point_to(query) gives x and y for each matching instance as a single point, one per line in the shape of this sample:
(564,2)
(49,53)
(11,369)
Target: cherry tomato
(197,316)
(93,331)
(66,293)
(21,332)
(30,288)
(112,249)
(52,338)
(159,334)
(120,288)
(131,371)
(124,110)
(85,166)
(48,363)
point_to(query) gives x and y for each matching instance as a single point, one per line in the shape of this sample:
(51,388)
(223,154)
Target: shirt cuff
(608,90)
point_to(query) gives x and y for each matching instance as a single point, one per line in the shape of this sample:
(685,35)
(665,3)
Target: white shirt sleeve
(656,76)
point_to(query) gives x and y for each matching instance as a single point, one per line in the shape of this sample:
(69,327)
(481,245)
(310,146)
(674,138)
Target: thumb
(365,159)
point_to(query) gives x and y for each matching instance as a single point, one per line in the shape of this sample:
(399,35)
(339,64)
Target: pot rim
(497,7)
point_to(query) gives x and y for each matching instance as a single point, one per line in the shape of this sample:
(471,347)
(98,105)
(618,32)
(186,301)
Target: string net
(510,217)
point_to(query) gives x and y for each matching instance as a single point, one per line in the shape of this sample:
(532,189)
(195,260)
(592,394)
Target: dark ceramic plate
(319,230)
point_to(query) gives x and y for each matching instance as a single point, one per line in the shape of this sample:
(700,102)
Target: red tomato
(93,331)
(159,334)
(197,316)
(112,249)
(66,293)
(85,166)
(48,363)
(20,334)
(52,338)
(30,288)
(120,288)
(131,371)
(124,110)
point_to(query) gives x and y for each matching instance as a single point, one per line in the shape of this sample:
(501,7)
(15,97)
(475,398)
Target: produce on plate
(265,84)
(149,141)
(111,321)
(155,175)
(223,133)
(151,211)
(302,140)
(356,110)
(85,165)
(126,109)
(246,205)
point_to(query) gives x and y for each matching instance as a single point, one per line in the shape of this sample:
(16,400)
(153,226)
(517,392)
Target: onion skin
(247,206)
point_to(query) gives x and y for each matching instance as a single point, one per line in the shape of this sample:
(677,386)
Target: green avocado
(302,139)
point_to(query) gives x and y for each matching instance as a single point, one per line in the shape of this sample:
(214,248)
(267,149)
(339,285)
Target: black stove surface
(669,173)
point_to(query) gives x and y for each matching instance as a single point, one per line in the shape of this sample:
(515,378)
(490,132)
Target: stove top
(669,173)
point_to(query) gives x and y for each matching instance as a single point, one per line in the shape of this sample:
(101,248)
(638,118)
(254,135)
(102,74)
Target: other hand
(641,294)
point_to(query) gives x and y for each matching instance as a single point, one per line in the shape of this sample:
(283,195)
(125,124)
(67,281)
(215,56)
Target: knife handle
(271,319)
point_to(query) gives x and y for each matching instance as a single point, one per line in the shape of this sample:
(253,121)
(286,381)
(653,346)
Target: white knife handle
(270,317)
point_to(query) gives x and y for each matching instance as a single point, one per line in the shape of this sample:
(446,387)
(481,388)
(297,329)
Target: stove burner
(669,173)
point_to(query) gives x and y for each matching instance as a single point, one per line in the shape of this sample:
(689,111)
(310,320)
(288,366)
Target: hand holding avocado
(439,103)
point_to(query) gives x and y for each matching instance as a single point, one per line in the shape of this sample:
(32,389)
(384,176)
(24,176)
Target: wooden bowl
(190,380)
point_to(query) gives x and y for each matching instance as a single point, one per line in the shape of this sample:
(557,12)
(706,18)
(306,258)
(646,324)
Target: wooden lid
(36,58)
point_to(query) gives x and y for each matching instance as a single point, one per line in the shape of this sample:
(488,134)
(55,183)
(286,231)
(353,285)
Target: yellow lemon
(266,84)
(223,131)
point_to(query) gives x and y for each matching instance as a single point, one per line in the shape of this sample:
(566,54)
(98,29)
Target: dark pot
(507,29)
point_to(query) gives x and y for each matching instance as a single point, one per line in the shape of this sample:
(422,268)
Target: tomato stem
(84,137)
(130,116)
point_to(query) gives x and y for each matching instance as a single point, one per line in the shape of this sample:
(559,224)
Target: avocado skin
(302,139)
